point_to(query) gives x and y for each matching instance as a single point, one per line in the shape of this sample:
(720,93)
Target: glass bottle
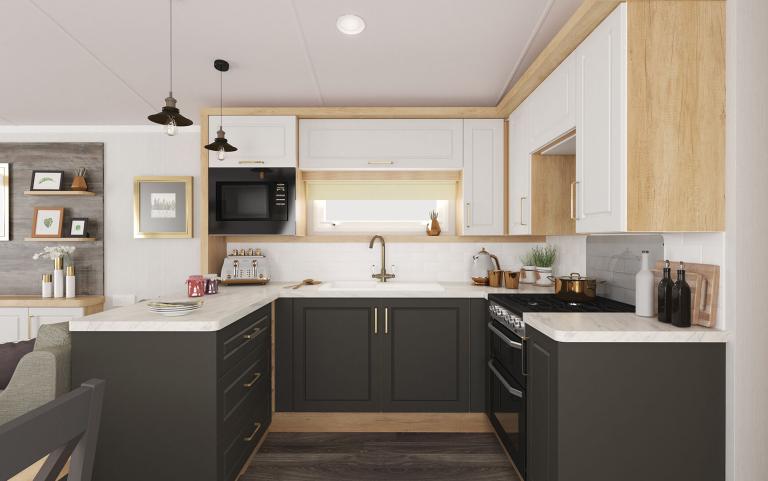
(681,300)
(665,294)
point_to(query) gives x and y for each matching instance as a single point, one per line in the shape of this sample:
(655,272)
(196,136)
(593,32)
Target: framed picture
(47,222)
(78,227)
(5,201)
(46,180)
(162,207)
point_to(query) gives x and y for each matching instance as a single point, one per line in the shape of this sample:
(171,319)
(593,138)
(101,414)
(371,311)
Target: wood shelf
(59,239)
(84,193)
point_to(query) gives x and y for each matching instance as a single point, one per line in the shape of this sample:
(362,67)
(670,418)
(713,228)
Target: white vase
(644,289)
(543,274)
(528,275)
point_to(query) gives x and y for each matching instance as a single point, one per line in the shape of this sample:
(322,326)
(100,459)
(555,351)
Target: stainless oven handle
(504,338)
(510,389)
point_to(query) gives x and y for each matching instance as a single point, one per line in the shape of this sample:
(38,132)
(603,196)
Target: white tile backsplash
(571,254)
(442,262)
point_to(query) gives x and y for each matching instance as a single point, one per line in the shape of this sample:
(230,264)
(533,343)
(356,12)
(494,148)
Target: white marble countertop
(234,302)
(616,327)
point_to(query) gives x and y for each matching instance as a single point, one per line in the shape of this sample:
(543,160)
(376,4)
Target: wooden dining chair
(67,426)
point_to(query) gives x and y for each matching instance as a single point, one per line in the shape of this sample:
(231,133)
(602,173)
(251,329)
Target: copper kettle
(482,262)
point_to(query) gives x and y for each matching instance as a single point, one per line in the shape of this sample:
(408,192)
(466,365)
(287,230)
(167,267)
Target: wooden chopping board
(704,280)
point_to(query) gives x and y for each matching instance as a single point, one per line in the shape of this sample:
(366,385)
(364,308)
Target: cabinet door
(380,144)
(553,105)
(519,172)
(49,315)
(601,150)
(337,355)
(426,355)
(13,324)
(541,405)
(261,141)
(484,177)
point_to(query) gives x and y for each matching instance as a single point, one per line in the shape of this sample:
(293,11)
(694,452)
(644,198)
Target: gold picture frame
(156,207)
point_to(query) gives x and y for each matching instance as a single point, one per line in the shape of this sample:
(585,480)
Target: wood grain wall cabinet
(261,141)
(650,119)
(377,355)
(483,186)
(553,183)
(519,171)
(553,105)
(345,144)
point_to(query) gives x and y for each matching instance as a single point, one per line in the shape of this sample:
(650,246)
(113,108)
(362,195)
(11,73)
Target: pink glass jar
(195,286)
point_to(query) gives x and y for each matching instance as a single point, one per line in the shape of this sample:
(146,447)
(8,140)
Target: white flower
(54,252)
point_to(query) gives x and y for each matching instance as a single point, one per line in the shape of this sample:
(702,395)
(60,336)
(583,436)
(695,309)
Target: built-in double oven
(507,384)
(251,201)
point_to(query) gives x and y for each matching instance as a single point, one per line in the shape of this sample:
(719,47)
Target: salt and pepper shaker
(47,286)
(70,281)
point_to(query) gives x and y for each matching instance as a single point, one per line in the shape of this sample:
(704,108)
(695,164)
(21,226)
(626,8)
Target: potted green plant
(528,271)
(544,258)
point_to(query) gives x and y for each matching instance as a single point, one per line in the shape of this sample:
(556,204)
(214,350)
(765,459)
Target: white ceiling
(94,62)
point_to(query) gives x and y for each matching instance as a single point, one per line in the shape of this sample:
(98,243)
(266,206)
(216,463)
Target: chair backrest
(53,335)
(67,426)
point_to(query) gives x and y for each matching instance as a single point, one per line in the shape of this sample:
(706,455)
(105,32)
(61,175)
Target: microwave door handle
(504,338)
(510,389)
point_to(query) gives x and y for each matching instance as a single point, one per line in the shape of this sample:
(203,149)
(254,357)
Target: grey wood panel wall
(19,274)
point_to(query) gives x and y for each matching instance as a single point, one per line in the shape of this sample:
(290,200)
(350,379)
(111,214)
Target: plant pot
(78,183)
(528,275)
(434,228)
(544,275)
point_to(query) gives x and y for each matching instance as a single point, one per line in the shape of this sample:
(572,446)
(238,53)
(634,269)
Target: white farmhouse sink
(373,286)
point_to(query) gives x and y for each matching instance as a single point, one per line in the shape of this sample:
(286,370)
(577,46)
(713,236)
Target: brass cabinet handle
(375,320)
(521,210)
(253,334)
(386,320)
(252,436)
(250,162)
(380,162)
(467,211)
(255,379)
(573,200)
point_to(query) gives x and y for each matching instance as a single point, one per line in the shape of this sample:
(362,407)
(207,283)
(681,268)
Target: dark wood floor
(380,456)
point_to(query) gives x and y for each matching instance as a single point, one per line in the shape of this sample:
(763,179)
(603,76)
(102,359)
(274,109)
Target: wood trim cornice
(390,238)
(362,112)
(37,301)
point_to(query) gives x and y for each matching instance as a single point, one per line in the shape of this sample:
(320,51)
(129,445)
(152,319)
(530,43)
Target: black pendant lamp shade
(220,144)
(170,115)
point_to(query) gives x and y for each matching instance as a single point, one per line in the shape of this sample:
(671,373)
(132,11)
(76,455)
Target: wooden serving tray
(704,280)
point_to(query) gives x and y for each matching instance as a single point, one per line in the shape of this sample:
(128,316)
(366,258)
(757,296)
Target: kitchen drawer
(241,382)
(249,433)
(237,340)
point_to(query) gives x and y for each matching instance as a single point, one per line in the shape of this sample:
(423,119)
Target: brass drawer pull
(243,162)
(250,438)
(253,334)
(255,379)
(380,162)
(375,320)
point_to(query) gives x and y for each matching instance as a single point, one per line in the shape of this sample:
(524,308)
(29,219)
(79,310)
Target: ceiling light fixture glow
(350,24)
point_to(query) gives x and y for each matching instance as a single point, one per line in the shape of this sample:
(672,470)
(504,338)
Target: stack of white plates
(174,308)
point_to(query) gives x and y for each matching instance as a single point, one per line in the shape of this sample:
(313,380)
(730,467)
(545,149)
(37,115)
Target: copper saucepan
(575,288)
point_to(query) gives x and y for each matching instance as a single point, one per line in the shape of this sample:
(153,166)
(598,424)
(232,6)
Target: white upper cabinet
(483,177)
(552,111)
(380,144)
(261,141)
(601,141)
(13,324)
(519,172)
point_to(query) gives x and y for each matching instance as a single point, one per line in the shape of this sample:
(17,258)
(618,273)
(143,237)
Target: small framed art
(47,222)
(46,180)
(78,227)
(162,207)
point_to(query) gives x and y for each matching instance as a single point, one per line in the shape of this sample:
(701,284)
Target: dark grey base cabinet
(625,411)
(372,355)
(179,405)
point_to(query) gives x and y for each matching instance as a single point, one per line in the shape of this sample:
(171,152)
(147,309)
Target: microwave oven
(251,201)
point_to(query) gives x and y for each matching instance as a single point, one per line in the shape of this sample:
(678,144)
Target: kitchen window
(366,207)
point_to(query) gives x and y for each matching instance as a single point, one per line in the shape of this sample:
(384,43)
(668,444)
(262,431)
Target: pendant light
(220,144)
(170,115)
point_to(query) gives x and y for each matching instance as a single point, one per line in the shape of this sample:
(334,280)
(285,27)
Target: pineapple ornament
(434,226)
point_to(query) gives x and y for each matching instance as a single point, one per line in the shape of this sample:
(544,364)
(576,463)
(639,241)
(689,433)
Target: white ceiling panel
(106,62)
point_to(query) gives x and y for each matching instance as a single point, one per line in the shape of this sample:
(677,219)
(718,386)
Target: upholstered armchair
(41,375)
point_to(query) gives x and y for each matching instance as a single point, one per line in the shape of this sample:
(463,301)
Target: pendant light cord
(221,100)
(170,8)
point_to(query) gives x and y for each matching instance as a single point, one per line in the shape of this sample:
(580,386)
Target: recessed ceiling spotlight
(350,24)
